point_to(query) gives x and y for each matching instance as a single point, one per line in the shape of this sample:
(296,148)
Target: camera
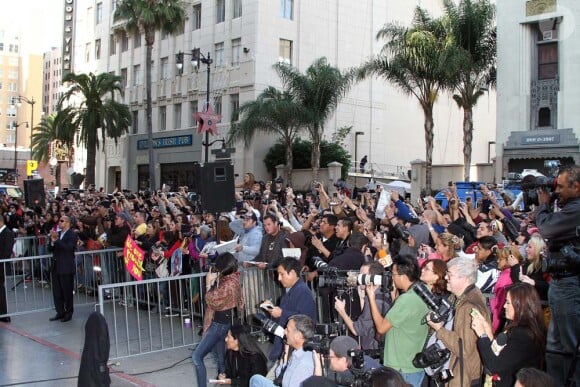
(333,281)
(433,356)
(385,281)
(269,325)
(357,359)
(320,344)
(401,232)
(530,184)
(440,307)
(565,261)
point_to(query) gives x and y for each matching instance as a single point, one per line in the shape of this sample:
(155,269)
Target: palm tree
(413,59)
(472,27)
(149,16)
(52,128)
(274,112)
(89,109)
(319,90)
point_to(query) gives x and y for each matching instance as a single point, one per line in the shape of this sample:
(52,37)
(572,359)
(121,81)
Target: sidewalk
(36,352)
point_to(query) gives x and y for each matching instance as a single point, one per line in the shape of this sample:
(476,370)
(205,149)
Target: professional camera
(333,281)
(440,307)
(321,265)
(385,281)
(567,260)
(320,344)
(530,184)
(401,232)
(270,326)
(433,356)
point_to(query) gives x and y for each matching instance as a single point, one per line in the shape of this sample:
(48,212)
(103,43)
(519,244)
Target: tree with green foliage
(319,90)
(413,59)
(148,17)
(90,107)
(273,112)
(471,24)
(302,149)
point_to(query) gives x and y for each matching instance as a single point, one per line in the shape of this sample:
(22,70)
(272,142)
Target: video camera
(323,334)
(565,261)
(530,185)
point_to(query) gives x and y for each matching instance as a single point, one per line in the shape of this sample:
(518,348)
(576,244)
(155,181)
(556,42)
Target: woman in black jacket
(243,358)
(521,344)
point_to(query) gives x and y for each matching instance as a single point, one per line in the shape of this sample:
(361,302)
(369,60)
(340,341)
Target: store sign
(541,139)
(166,142)
(67,36)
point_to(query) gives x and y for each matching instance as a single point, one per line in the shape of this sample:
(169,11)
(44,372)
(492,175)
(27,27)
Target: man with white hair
(462,341)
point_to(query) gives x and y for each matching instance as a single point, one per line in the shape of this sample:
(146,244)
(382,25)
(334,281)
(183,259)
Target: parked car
(12,191)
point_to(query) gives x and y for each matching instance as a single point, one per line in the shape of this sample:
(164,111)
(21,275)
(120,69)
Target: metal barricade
(163,313)
(29,246)
(27,279)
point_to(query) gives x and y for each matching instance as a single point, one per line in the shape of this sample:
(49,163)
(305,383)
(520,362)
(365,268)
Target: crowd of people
(504,283)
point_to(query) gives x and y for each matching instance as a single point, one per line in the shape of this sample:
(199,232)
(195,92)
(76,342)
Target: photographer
(461,340)
(363,327)
(296,365)
(405,334)
(561,229)
(346,361)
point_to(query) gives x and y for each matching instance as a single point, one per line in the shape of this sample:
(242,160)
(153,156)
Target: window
(124,42)
(10,137)
(285,54)
(137,39)
(87,52)
(219,54)
(196,17)
(162,117)
(164,34)
(1,46)
(97,49)
(220,11)
(99,13)
(548,60)
(135,122)
(287,9)
(236,47)
(123,78)
(237,9)
(234,106)
(177,116)
(112,45)
(218,105)
(192,111)
(165,68)
(544,117)
(137,75)
(13,74)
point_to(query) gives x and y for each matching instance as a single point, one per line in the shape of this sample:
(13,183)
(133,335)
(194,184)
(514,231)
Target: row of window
(10,86)
(12,61)
(11,47)
(194,107)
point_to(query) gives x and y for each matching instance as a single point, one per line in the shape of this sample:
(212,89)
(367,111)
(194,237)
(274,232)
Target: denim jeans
(261,381)
(213,340)
(563,332)
(415,379)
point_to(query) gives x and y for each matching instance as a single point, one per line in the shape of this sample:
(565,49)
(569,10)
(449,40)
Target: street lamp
(16,151)
(196,58)
(17,101)
(356,134)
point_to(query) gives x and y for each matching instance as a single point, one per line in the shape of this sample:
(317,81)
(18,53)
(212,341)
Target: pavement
(36,352)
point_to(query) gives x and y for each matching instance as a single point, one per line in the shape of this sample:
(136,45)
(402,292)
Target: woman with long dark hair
(244,358)
(223,297)
(521,344)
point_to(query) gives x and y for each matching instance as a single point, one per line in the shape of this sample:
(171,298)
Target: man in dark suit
(6,245)
(63,269)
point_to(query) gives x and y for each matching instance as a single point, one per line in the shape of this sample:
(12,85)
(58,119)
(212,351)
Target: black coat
(240,368)
(94,371)
(63,253)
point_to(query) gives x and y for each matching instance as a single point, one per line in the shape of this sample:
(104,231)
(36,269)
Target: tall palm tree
(413,59)
(472,27)
(90,107)
(274,112)
(149,16)
(319,90)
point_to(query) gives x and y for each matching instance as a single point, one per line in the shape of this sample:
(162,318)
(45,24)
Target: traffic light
(31,166)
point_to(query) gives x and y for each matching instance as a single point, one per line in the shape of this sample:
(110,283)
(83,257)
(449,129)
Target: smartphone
(335,195)
(450,184)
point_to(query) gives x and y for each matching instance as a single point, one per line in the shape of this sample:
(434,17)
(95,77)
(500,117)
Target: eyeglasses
(61,221)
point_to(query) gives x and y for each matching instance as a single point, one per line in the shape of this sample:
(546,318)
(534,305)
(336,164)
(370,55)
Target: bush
(301,151)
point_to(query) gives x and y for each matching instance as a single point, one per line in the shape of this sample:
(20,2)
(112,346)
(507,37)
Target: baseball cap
(342,344)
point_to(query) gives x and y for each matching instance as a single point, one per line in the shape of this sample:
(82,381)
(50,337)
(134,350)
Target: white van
(12,191)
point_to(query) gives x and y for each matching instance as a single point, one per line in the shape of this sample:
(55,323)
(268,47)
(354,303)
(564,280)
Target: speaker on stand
(214,184)
(34,193)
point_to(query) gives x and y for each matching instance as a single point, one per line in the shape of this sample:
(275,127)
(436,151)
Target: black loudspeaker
(34,193)
(214,183)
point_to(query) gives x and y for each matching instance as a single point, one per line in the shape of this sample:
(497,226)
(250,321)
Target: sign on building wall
(541,139)
(68,36)
(166,142)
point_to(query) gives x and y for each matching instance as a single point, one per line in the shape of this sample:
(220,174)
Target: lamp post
(356,134)
(18,101)
(16,150)
(196,58)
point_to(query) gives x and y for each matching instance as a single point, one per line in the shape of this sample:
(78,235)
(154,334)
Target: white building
(245,38)
(538,96)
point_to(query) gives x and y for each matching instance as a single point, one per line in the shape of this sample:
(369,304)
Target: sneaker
(123,303)
(172,314)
